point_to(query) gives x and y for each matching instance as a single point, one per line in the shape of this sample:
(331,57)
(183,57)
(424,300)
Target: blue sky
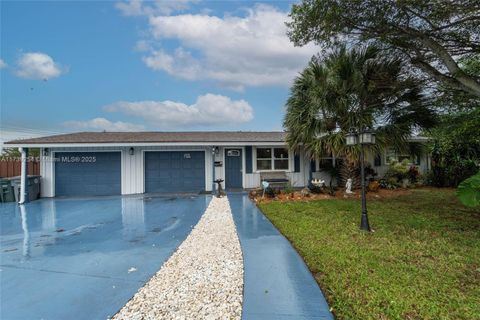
(156,65)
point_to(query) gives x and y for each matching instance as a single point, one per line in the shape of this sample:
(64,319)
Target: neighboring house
(109,163)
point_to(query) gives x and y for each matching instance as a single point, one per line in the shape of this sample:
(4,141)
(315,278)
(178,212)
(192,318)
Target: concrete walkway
(277,283)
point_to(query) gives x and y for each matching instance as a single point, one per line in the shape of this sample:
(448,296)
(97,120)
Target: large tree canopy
(434,35)
(354,89)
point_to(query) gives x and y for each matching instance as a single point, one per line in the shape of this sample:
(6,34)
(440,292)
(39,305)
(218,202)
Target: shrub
(455,148)
(469,191)
(315,189)
(270,192)
(389,183)
(449,172)
(398,170)
(413,174)
(289,189)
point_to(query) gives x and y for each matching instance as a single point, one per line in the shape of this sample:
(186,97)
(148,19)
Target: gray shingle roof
(156,137)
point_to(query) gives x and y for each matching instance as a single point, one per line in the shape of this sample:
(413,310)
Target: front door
(233,168)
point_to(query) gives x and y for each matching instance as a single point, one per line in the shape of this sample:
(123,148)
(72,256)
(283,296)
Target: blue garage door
(175,171)
(87,173)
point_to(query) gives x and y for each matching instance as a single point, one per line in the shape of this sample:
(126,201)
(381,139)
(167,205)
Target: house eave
(143,144)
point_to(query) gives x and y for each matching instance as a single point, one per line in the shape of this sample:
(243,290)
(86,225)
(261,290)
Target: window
(280,159)
(272,159)
(392,155)
(264,159)
(326,162)
(233,153)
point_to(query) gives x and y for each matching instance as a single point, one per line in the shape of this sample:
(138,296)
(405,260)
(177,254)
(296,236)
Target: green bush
(450,172)
(315,189)
(389,183)
(469,191)
(270,192)
(289,189)
(413,174)
(455,148)
(399,170)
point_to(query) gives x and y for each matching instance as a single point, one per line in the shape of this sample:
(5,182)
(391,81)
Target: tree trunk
(349,170)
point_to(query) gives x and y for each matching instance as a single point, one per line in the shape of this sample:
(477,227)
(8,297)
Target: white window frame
(272,163)
(391,153)
(331,158)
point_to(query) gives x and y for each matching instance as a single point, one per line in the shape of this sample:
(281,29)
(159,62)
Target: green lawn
(422,261)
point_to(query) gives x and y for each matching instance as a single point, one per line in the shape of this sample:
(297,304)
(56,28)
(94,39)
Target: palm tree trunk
(349,170)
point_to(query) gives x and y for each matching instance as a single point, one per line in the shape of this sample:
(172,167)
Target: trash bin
(6,191)
(33,185)
(33,188)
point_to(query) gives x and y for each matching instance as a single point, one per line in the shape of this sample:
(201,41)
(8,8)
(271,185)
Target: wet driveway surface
(85,258)
(277,283)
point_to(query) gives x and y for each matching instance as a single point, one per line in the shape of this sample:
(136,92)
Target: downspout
(23,176)
(213,170)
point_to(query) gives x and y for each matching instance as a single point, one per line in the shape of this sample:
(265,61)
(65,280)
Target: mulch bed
(256,195)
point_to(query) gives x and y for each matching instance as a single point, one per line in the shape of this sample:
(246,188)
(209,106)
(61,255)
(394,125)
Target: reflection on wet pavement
(277,283)
(60,257)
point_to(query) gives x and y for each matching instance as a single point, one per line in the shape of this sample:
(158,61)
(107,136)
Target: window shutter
(378,160)
(248,159)
(313,166)
(296,163)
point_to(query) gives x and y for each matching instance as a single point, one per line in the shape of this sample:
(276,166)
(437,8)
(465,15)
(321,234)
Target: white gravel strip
(203,279)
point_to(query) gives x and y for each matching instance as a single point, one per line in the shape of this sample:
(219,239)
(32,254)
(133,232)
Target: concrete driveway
(85,258)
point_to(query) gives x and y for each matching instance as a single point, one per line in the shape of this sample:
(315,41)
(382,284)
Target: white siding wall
(297,179)
(382,170)
(220,171)
(132,169)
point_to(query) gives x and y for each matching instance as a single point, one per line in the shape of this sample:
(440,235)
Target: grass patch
(422,261)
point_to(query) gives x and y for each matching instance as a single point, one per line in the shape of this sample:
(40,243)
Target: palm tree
(354,89)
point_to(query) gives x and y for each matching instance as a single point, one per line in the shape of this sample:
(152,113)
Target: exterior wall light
(131,151)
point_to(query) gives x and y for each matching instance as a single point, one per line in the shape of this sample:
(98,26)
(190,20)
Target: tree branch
(457,73)
(437,75)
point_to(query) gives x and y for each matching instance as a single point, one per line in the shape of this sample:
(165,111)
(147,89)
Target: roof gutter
(141,144)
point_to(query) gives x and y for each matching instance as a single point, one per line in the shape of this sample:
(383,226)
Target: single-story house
(110,163)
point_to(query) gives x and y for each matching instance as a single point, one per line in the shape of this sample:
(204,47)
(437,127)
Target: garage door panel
(88,177)
(174,171)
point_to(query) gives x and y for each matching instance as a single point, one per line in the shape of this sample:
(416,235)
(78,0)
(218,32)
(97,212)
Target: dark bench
(275,178)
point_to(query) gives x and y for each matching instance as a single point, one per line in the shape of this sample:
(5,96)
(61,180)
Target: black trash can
(33,185)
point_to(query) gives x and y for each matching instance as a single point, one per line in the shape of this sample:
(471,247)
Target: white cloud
(252,50)
(103,124)
(208,110)
(148,8)
(37,66)
(142,46)
(2,64)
